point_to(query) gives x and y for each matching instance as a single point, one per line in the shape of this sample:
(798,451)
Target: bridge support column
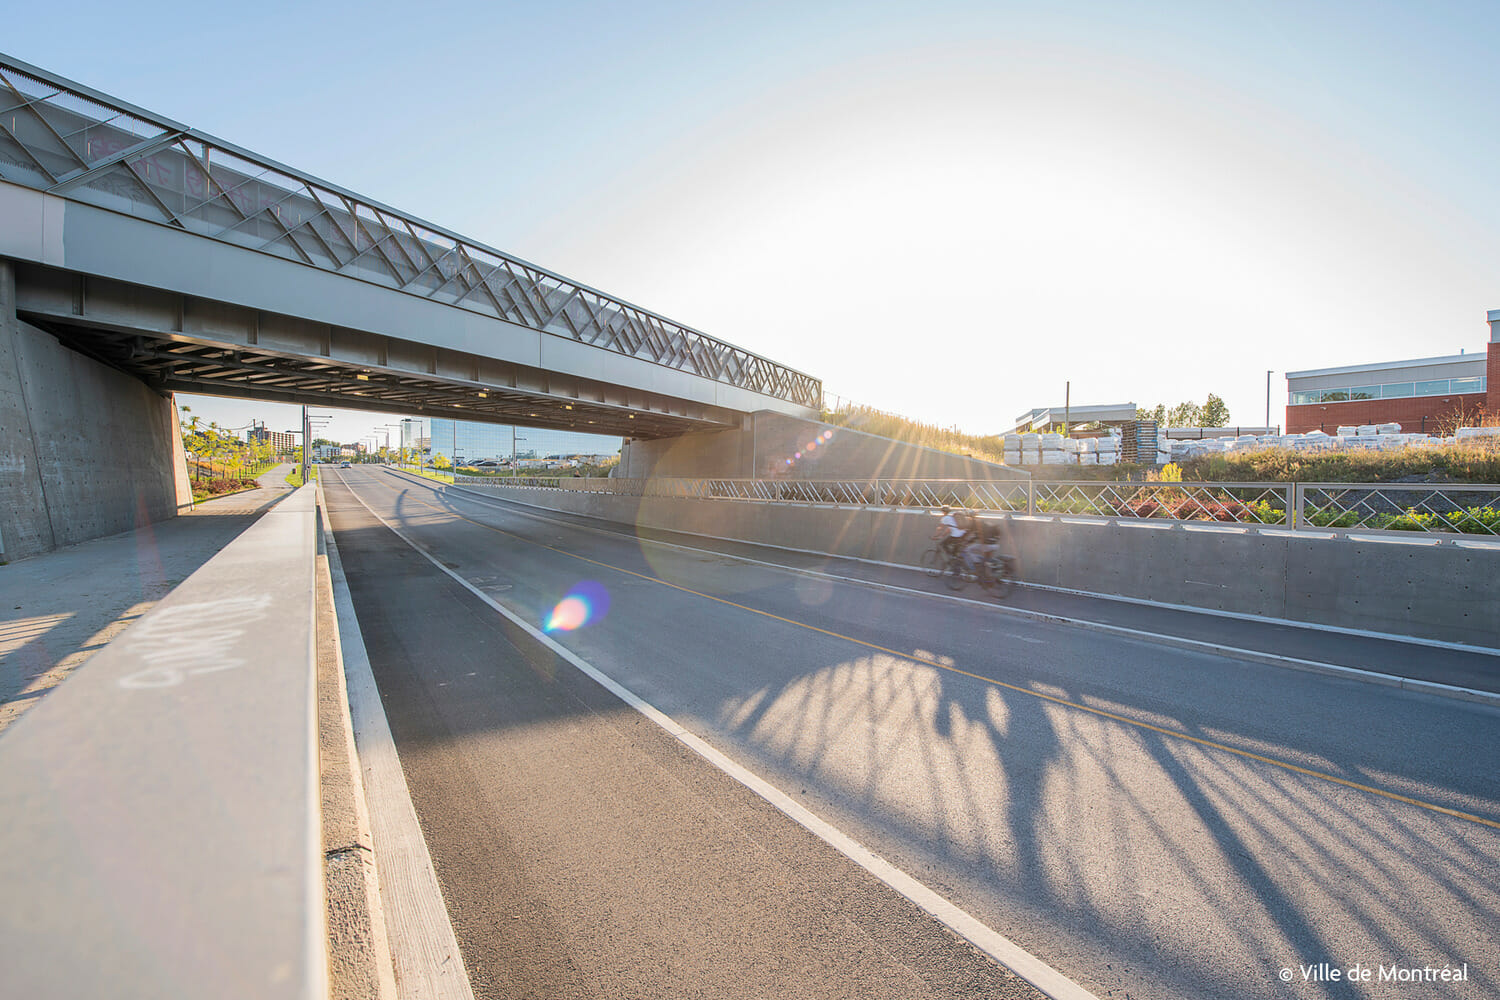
(85,450)
(25,528)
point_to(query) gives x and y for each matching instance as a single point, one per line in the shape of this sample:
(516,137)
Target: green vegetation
(1212,413)
(1468,463)
(986,448)
(215,453)
(1454,464)
(207,489)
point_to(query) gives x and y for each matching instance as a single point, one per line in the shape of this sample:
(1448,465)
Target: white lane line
(1026,638)
(991,942)
(424,949)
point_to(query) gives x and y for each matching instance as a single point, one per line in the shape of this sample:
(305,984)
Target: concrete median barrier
(161,831)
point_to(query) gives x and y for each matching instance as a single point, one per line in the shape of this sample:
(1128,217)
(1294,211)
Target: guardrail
(1398,508)
(161,807)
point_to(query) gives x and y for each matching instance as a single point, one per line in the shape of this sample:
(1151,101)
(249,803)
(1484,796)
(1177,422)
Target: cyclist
(984,544)
(951,532)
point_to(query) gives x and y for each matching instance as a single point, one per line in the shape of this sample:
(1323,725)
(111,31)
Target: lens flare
(586,603)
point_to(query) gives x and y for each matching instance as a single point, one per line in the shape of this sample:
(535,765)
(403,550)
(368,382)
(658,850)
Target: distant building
(1419,394)
(280,440)
(1046,418)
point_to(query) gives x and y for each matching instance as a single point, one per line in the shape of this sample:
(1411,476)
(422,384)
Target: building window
(1391,390)
(1469,384)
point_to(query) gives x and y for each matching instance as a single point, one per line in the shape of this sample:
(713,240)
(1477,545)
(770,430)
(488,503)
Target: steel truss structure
(68,140)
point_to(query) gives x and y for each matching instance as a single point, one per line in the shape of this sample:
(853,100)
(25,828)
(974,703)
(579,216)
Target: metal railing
(68,140)
(1402,508)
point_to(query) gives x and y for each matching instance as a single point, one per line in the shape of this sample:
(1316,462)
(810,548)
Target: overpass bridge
(200,266)
(190,264)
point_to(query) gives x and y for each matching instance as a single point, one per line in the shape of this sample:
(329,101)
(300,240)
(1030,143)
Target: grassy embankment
(984,447)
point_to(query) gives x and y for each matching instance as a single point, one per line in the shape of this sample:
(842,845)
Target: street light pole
(1268,400)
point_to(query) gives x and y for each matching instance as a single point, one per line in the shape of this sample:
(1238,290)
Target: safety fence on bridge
(1432,509)
(73,142)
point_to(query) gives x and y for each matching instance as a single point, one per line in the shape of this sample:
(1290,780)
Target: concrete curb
(359,954)
(424,950)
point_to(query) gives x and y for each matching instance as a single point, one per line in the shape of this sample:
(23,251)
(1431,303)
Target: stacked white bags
(1108,449)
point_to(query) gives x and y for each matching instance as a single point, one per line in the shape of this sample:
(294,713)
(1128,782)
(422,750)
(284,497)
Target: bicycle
(936,562)
(995,573)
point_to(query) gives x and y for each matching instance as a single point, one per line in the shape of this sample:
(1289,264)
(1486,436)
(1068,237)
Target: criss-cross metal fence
(1437,509)
(1420,507)
(68,140)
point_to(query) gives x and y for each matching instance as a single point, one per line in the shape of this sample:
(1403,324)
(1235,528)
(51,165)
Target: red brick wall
(1492,374)
(1406,412)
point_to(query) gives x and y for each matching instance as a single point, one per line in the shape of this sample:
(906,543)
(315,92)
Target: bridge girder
(179,343)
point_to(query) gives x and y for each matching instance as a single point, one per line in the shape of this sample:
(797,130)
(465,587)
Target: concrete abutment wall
(773,445)
(85,451)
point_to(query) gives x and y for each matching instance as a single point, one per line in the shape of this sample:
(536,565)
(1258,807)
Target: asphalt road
(1150,821)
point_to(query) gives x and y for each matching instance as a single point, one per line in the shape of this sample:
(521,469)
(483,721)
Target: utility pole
(1067,407)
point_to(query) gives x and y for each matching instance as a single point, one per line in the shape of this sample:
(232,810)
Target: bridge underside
(179,343)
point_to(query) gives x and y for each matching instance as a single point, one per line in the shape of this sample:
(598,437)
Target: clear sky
(946,210)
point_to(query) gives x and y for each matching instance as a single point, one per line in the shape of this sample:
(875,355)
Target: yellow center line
(1126,720)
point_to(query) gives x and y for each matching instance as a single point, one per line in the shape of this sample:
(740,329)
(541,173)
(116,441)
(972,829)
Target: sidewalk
(59,607)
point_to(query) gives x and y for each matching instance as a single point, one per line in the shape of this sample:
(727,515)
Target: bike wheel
(953,574)
(998,581)
(932,563)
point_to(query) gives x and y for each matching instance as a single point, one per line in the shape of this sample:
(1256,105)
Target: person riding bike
(983,544)
(951,532)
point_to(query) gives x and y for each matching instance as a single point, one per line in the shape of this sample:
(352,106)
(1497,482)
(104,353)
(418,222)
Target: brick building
(1421,394)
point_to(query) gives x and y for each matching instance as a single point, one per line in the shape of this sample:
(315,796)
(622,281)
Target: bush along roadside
(207,489)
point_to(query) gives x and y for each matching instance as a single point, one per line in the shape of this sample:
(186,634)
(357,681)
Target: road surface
(1148,820)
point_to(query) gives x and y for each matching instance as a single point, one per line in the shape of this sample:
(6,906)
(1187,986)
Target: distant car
(343,465)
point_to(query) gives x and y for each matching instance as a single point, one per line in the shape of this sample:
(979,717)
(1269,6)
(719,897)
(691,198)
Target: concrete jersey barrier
(1413,588)
(159,811)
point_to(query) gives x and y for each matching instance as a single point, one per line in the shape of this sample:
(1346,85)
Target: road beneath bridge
(1147,820)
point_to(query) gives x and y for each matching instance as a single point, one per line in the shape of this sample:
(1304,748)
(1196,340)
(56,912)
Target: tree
(1215,413)
(440,461)
(1159,414)
(1186,414)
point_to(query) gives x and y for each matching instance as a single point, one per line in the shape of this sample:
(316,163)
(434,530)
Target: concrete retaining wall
(761,447)
(1443,592)
(85,451)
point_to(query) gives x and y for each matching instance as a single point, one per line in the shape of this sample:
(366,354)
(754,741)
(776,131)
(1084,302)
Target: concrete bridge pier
(770,445)
(85,450)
